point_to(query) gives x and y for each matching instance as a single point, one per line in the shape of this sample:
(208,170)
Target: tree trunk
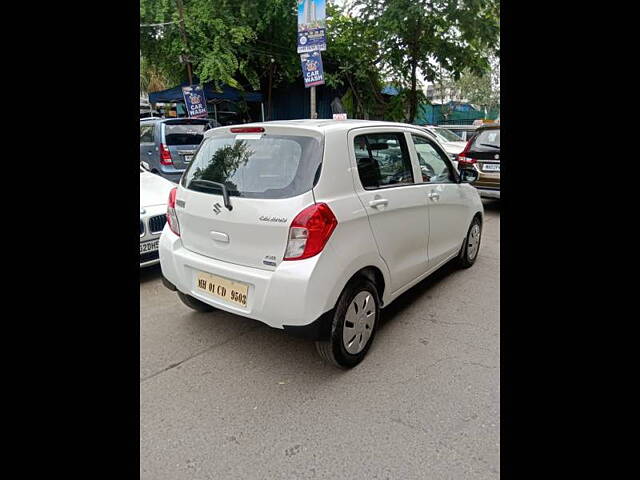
(413,94)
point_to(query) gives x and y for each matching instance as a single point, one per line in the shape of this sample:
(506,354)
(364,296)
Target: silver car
(167,145)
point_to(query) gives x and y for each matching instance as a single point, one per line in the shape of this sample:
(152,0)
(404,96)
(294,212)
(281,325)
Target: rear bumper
(289,297)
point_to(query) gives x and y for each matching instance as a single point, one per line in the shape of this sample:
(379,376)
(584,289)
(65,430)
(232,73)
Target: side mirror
(468,175)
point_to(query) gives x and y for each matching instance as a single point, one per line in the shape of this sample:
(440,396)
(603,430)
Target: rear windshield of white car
(256,166)
(184,133)
(487,141)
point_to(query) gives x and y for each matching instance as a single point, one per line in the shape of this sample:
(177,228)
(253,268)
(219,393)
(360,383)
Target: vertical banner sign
(312,69)
(195,101)
(312,26)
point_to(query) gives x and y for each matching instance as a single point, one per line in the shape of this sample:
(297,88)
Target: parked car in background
(154,192)
(167,145)
(451,142)
(482,153)
(314,226)
(465,132)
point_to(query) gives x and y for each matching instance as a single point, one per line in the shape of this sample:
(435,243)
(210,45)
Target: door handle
(433,195)
(378,202)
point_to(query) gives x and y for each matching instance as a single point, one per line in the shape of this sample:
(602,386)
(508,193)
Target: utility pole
(312,94)
(184,39)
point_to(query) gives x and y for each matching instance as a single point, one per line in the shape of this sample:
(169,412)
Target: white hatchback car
(313,226)
(154,192)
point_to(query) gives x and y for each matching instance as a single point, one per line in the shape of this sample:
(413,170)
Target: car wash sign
(312,26)
(195,102)
(312,69)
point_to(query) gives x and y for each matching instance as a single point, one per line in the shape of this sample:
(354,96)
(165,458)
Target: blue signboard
(312,40)
(195,101)
(312,69)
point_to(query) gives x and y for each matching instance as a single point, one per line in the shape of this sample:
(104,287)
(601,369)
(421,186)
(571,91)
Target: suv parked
(482,153)
(313,226)
(168,145)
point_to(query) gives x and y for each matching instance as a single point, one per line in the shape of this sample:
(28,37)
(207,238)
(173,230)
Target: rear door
(147,145)
(269,177)
(182,138)
(396,206)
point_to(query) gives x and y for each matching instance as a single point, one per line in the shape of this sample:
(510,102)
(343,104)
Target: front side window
(383,160)
(256,166)
(433,165)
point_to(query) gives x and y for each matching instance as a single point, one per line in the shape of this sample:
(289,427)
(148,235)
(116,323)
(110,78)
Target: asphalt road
(225,397)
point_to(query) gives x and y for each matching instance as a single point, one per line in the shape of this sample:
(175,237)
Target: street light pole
(184,39)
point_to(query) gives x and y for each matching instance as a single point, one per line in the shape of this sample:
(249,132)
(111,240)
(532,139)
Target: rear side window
(487,141)
(184,134)
(256,166)
(146,133)
(383,160)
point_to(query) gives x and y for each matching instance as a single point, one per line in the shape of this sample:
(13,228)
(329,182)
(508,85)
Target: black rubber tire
(194,303)
(332,350)
(463,260)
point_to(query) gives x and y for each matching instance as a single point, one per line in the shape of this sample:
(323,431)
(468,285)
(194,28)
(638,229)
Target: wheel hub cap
(473,242)
(358,322)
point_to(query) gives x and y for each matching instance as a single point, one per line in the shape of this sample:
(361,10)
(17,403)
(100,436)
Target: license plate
(227,290)
(187,158)
(149,246)
(491,167)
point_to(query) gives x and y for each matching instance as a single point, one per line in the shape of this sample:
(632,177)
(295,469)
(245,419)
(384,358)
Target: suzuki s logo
(217,208)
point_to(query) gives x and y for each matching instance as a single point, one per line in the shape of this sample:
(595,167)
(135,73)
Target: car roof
(326,125)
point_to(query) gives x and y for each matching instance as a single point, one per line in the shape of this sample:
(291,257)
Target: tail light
(172,218)
(310,231)
(165,155)
(247,130)
(463,155)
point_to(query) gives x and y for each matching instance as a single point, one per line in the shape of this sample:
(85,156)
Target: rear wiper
(490,145)
(222,186)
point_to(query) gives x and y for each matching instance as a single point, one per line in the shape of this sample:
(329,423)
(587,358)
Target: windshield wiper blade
(222,186)
(490,145)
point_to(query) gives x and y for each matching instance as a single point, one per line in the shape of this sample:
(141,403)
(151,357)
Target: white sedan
(451,142)
(154,193)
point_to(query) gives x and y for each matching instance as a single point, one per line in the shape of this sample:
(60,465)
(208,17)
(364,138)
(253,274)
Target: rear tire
(353,326)
(194,303)
(469,251)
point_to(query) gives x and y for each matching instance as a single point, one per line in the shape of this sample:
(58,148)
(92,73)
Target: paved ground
(225,397)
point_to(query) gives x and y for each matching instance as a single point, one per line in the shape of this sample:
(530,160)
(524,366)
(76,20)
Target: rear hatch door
(182,137)
(269,177)
(486,151)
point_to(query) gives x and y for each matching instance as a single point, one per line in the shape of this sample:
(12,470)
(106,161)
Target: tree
(350,62)
(426,36)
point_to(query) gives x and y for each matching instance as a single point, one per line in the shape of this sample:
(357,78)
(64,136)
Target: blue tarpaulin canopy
(228,93)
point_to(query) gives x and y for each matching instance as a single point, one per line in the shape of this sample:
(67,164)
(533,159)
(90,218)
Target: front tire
(194,303)
(469,251)
(353,326)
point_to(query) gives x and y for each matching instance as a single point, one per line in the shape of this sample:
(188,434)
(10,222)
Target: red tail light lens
(172,218)
(463,155)
(310,231)
(247,130)
(165,155)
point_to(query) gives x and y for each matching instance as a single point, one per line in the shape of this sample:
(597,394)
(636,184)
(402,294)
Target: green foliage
(427,36)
